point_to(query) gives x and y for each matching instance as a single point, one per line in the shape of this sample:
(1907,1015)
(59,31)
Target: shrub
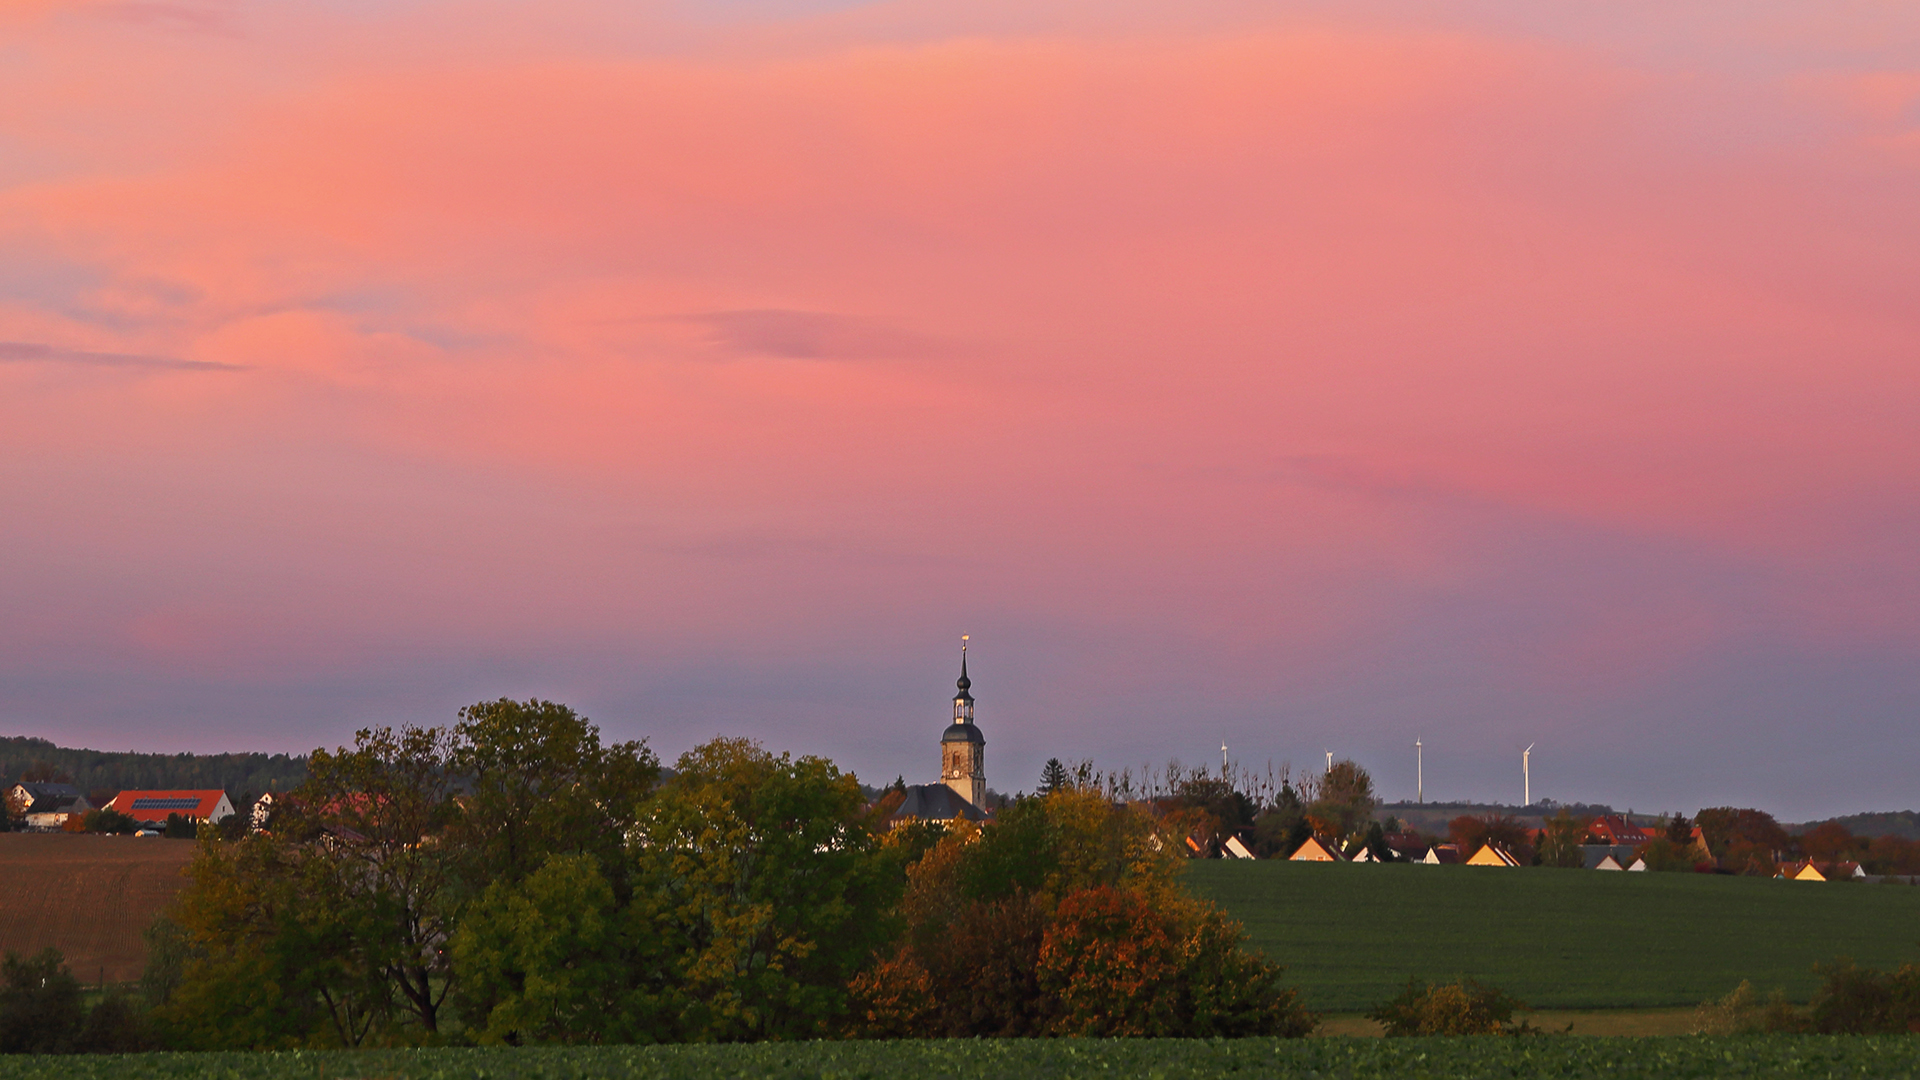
(1463,1007)
(108,821)
(1865,1001)
(40,1009)
(1742,1012)
(113,1026)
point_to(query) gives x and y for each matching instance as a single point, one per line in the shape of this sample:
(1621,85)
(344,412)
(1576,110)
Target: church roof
(935,802)
(963,733)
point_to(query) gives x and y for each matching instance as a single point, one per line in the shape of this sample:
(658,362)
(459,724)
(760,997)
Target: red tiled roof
(156,805)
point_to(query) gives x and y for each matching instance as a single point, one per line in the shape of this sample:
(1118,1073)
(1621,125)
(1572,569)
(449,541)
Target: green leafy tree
(542,785)
(557,960)
(1663,854)
(383,807)
(108,821)
(269,950)
(1561,840)
(1344,801)
(768,889)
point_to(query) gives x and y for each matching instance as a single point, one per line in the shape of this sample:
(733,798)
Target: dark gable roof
(53,804)
(935,802)
(37,792)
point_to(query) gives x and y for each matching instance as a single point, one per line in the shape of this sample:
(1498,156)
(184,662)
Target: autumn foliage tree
(1743,840)
(1471,832)
(1065,918)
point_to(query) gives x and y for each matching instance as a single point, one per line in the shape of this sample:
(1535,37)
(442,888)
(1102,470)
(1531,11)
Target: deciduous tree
(1560,841)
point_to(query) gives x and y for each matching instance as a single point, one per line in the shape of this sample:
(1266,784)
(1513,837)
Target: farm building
(48,806)
(1234,849)
(208,806)
(1314,851)
(26,793)
(1492,855)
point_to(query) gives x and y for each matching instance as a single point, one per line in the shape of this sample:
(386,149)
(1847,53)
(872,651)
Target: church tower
(963,751)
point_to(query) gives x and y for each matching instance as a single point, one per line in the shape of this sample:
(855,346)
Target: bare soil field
(88,896)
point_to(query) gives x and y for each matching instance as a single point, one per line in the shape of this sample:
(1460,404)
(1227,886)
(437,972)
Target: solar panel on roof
(151,803)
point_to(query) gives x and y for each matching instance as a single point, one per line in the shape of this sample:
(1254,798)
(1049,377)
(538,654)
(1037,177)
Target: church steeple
(963,696)
(963,750)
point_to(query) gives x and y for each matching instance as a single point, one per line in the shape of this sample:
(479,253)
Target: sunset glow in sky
(1308,376)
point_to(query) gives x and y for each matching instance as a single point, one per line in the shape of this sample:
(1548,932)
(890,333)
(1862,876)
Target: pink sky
(1307,376)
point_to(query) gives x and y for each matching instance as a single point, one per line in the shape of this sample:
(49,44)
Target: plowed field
(88,896)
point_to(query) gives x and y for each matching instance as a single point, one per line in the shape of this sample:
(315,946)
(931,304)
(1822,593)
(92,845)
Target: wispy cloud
(18,352)
(811,335)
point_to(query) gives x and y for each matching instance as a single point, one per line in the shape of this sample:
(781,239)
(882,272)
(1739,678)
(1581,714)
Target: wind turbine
(1419,773)
(1526,771)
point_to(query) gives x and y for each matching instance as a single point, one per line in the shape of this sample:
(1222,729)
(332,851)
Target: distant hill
(1904,824)
(97,771)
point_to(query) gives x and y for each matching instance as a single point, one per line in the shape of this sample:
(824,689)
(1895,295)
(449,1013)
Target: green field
(1572,939)
(1046,1059)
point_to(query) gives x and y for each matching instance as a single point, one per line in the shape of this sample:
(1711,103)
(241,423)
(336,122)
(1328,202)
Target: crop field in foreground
(1571,939)
(1360,1059)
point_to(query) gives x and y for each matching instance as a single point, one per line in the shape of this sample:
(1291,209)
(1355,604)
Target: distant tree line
(103,774)
(1273,811)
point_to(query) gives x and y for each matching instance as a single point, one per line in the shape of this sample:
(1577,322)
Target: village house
(153,807)
(1492,855)
(48,806)
(1812,871)
(1314,851)
(1614,830)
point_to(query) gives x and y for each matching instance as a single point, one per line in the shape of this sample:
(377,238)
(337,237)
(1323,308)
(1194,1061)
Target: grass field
(1567,939)
(1048,1059)
(88,896)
